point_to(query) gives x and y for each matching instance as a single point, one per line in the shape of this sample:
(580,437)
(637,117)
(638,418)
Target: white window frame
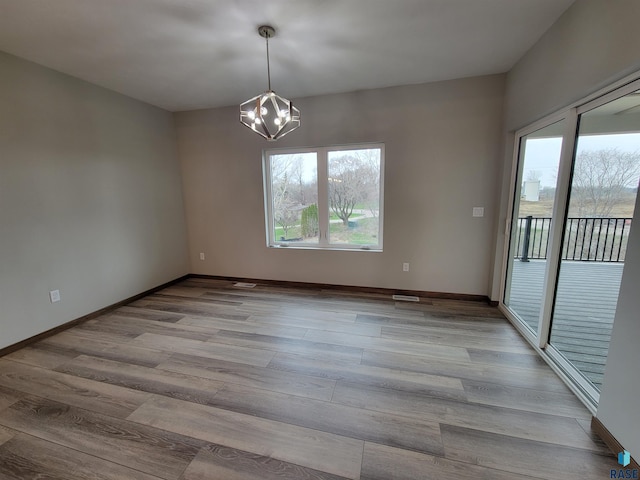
(324,211)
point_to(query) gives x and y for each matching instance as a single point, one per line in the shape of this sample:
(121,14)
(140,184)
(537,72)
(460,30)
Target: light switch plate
(54,296)
(478,211)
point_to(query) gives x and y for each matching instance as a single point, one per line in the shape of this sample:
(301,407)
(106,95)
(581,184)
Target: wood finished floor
(204,380)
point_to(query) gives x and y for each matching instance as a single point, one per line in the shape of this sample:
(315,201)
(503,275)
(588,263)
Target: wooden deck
(585,308)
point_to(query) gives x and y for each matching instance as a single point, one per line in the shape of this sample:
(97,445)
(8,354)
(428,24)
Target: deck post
(527,236)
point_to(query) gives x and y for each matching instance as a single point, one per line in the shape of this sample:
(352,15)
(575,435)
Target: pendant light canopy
(268,114)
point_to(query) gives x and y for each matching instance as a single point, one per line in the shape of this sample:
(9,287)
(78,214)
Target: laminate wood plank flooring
(143,379)
(41,355)
(140,447)
(328,452)
(129,311)
(417,320)
(527,360)
(214,325)
(521,456)
(381,462)
(434,385)
(70,389)
(176,306)
(8,397)
(536,378)
(230,464)
(397,430)
(207,381)
(74,342)
(6,434)
(388,345)
(516,423)
(311,323)
(499,343)
(25,457)
(136,326)
(279,344)
(276,380)
(527,399)
(235,353)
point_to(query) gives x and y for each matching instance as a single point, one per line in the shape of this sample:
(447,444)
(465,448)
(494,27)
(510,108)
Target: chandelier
(268,114)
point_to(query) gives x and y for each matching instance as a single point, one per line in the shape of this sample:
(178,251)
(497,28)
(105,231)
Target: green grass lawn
(334,228)
(364,233)
(294,232)
(353,215)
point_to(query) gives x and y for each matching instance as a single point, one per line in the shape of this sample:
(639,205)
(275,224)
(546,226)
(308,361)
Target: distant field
(543,208)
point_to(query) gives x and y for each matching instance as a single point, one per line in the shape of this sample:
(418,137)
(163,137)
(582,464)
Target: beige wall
(593,44)
(442,154)
(90,199)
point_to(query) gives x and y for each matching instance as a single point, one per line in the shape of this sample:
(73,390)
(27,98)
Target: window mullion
(323,197)
(269,224)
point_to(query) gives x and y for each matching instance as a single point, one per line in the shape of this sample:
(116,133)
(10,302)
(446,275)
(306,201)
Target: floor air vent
(405,298)
(244,285)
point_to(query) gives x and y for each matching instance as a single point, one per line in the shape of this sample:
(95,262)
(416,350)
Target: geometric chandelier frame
(269,114)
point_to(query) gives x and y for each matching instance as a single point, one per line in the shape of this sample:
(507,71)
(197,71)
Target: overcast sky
(543,154)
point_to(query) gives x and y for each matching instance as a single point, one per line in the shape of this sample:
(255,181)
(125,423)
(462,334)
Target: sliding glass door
(604,185)
(574,188)
(533,201)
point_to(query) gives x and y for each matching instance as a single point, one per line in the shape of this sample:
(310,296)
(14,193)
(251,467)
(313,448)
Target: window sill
(339,248)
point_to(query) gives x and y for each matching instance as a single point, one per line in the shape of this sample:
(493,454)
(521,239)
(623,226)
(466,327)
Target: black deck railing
(585,239)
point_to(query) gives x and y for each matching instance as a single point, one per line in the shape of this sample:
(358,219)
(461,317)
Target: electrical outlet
(54,296)
(405,267)
(201,255)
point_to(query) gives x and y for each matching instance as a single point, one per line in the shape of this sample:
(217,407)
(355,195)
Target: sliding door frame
(540,340)
(516,176)
(556,233)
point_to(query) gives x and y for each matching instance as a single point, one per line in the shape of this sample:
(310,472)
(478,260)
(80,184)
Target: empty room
(360,239)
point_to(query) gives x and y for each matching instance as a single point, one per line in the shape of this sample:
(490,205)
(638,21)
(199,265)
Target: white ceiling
(188,54)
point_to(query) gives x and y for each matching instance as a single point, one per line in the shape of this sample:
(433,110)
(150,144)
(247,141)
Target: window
(325,197)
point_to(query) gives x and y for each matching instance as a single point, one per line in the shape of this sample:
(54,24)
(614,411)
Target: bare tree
(371,173)
(602,179)
(285,175)
(352,179)
(287,217)
(534,176)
